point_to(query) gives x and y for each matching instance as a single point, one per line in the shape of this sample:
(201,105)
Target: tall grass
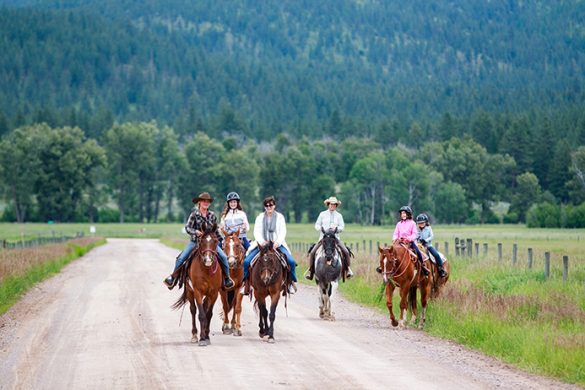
(21,269)
(505,311)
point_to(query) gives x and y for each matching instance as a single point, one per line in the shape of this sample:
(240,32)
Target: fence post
(370,247)
(446,248)
(485,249)
(456,246)
(378,243)
(546,265)
(514,253)
(565,268)
(364,242)
(477,249)
(357,247)
(529,258)
(469,247)
(499,251)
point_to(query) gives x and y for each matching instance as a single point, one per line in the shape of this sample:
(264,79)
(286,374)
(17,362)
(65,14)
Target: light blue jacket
(426,234)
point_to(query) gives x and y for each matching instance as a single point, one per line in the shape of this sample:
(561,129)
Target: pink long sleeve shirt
(405,229)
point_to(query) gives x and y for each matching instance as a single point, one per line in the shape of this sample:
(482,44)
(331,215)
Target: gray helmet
(407,209)
(233,196)
(422,218)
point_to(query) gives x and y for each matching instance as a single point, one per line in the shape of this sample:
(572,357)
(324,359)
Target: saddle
(281,257)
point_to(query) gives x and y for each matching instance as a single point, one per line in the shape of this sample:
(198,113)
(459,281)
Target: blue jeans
(187,251)
(289,259)
(436,255)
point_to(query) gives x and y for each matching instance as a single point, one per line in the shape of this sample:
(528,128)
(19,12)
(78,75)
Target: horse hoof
(204,343)
(237,332)
(331,318)
(270,340)
(322,315)
(227,331)
(194,339)
(394,323)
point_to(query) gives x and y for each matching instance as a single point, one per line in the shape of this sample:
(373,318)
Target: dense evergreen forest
(121,110)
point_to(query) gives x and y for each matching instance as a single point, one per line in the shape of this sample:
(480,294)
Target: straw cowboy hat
(203,196)
(333,200)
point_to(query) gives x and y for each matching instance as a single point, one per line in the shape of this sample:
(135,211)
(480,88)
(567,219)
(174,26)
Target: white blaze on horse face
(385,269)
(230,254)
(208,238)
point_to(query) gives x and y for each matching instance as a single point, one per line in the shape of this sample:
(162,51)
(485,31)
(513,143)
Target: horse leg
(193,309)
(237,315)
(202,319)
(273,304)
(263,323)
(403,306)
(389,293)
(208,304)
(225,328)
(425,294)
(322,294)
(329,292)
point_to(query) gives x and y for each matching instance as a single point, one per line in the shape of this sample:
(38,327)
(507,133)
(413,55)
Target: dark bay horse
(231,300)
(201,284)
(268,279)
(327,270)
(437,282)
(400,268)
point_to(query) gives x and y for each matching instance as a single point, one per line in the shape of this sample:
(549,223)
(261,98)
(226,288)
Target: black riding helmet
(406,209)
(422,218)
(233,196)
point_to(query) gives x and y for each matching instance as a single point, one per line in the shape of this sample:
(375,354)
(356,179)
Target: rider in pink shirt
(407,233)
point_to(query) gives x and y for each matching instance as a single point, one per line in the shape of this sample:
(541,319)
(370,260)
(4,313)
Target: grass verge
(40,264)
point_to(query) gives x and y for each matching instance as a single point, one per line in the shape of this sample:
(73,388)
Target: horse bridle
(395,265)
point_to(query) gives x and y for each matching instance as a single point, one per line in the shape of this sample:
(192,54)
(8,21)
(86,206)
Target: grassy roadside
(511,313)
(21,269)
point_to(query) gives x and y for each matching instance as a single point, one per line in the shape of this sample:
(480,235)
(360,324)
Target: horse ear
(380,249)
(214,227)
(224,232)
(238,233)
(323,230)
(335,231)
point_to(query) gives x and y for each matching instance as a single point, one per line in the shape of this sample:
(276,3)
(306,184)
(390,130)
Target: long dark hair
(227,208)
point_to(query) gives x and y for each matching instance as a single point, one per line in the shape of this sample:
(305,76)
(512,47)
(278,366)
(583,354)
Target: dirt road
(105,322)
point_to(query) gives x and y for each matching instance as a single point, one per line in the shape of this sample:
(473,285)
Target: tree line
(145,172)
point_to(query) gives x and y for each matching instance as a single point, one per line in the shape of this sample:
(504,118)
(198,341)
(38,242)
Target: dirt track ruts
(104,322)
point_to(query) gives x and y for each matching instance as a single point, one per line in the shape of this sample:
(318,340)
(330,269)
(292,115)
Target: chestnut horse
(234,251)
(201,283)
(401,268)
(268,278)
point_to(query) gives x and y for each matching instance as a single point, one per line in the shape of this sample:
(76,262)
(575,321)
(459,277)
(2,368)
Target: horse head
(329,243)
(269,262)
(208,244)
(232,247)
(387,261)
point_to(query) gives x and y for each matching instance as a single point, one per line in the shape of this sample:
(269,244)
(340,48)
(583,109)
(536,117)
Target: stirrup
(292,288)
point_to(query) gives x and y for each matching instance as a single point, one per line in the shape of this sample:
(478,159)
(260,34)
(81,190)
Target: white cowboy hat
(333,200)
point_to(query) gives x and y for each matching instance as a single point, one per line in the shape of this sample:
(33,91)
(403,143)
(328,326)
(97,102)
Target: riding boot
(311,271)
(228,283)
(424,269)
(442,272)
(169,282)
(349,272)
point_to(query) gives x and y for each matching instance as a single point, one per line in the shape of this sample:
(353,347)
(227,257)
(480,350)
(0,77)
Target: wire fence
(38,241)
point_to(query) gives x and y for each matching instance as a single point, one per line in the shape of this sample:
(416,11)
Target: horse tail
(182,300)
(231,300)
(412,297)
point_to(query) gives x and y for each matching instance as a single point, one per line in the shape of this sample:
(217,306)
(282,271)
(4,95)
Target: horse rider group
(270,226)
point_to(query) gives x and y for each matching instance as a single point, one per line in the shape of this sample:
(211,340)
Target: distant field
(557,241)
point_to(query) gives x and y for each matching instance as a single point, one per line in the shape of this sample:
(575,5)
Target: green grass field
(502,309)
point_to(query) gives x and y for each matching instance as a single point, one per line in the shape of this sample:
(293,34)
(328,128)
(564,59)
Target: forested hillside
(122,110)
(288,64)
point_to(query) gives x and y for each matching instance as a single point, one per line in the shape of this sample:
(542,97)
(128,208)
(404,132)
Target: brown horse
(437,282)
(234,250)
(201,283)
(268,278)
(400,268)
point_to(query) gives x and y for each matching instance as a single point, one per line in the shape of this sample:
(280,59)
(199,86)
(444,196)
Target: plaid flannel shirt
(196,220)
